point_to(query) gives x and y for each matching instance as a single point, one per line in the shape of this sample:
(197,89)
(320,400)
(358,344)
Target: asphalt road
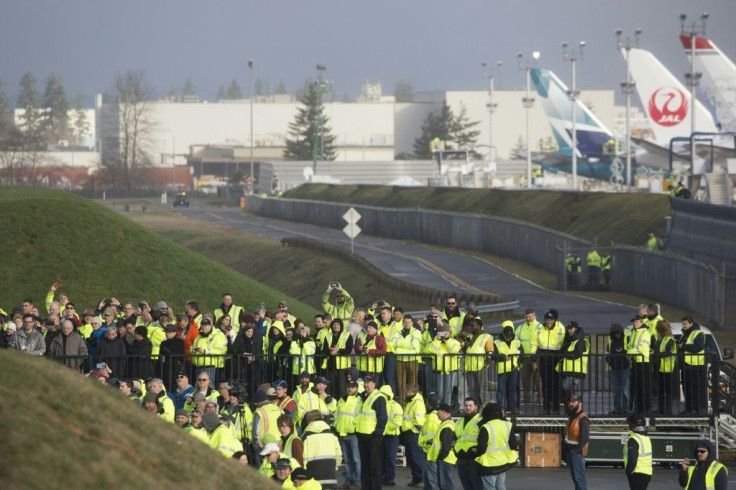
(598,478)
(451,271)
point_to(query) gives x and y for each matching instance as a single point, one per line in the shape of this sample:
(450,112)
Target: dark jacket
(139,359)
(616,354)
(697,482)
(113,352)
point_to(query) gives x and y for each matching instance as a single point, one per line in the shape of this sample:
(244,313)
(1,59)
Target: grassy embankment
(62,430)
(53,236)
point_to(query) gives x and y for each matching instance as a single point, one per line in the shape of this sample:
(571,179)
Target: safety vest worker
(441,445)
(495,443)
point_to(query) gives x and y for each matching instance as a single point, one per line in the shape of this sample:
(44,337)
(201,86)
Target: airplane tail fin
(591,134)
(719,78)
(665,100)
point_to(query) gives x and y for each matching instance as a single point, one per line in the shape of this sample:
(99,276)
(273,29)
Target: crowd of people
(297,400)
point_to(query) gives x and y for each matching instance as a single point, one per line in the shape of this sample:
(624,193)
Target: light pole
(318,150)
(693,78)
(628,88)
(491,105)
(572,55)
(250,181)
(528,100)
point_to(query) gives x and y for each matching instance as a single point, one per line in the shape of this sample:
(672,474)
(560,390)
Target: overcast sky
(437,45)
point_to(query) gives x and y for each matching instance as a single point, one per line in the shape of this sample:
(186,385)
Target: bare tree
(129,130)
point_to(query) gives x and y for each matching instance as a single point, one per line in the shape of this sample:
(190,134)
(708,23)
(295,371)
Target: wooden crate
(542,450)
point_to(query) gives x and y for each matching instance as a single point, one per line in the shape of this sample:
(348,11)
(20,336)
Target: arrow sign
(352,229)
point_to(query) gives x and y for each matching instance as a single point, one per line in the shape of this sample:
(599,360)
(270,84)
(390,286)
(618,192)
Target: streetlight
(526,65)
(318,150)
(628,88)
(250,181)
(572,55)
(693,78)
(491,105)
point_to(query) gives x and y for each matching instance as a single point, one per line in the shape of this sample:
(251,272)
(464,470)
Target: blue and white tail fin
(719,79)
(590,132)
(666,102)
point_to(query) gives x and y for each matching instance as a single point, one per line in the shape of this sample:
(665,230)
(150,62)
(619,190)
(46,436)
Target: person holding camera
(704,472)
(343,304)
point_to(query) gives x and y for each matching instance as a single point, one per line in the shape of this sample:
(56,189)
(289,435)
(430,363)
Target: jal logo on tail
(668,106)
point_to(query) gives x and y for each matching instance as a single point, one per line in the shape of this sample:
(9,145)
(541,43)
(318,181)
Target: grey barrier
(664,277)
(526,242)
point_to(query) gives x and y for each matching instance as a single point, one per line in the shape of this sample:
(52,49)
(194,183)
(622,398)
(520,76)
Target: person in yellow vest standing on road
(440,455)
(466,439)
(528,372)
(395,418)
(496,448)
(346,418)
(369,429)
(706,472)
(413,424)
(638,454)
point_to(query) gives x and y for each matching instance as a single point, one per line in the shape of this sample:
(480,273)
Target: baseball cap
(369,377)
(161,304)
(269,448)
(282,463)
(321,379)
(299,474)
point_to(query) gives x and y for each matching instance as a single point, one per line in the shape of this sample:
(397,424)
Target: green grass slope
(52,236)
(62,430)
(621,218)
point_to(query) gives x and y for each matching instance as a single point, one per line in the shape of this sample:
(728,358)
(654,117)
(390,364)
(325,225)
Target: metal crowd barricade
(475,375)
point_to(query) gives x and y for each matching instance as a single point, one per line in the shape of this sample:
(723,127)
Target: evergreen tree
(28,95)
(281,88)
(81,123)
(456,131)
(56,105)
(304,130)
(462,133)
(233,91)
(6,112)
(404,91)
(31,121)
(221,94)
(188,89)
(435,125)
(259,88)
(518,148)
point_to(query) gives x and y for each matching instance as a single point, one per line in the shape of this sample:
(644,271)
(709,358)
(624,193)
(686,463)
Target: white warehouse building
(366,131)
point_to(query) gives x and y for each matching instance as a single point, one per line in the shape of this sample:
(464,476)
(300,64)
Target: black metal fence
(531,386)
